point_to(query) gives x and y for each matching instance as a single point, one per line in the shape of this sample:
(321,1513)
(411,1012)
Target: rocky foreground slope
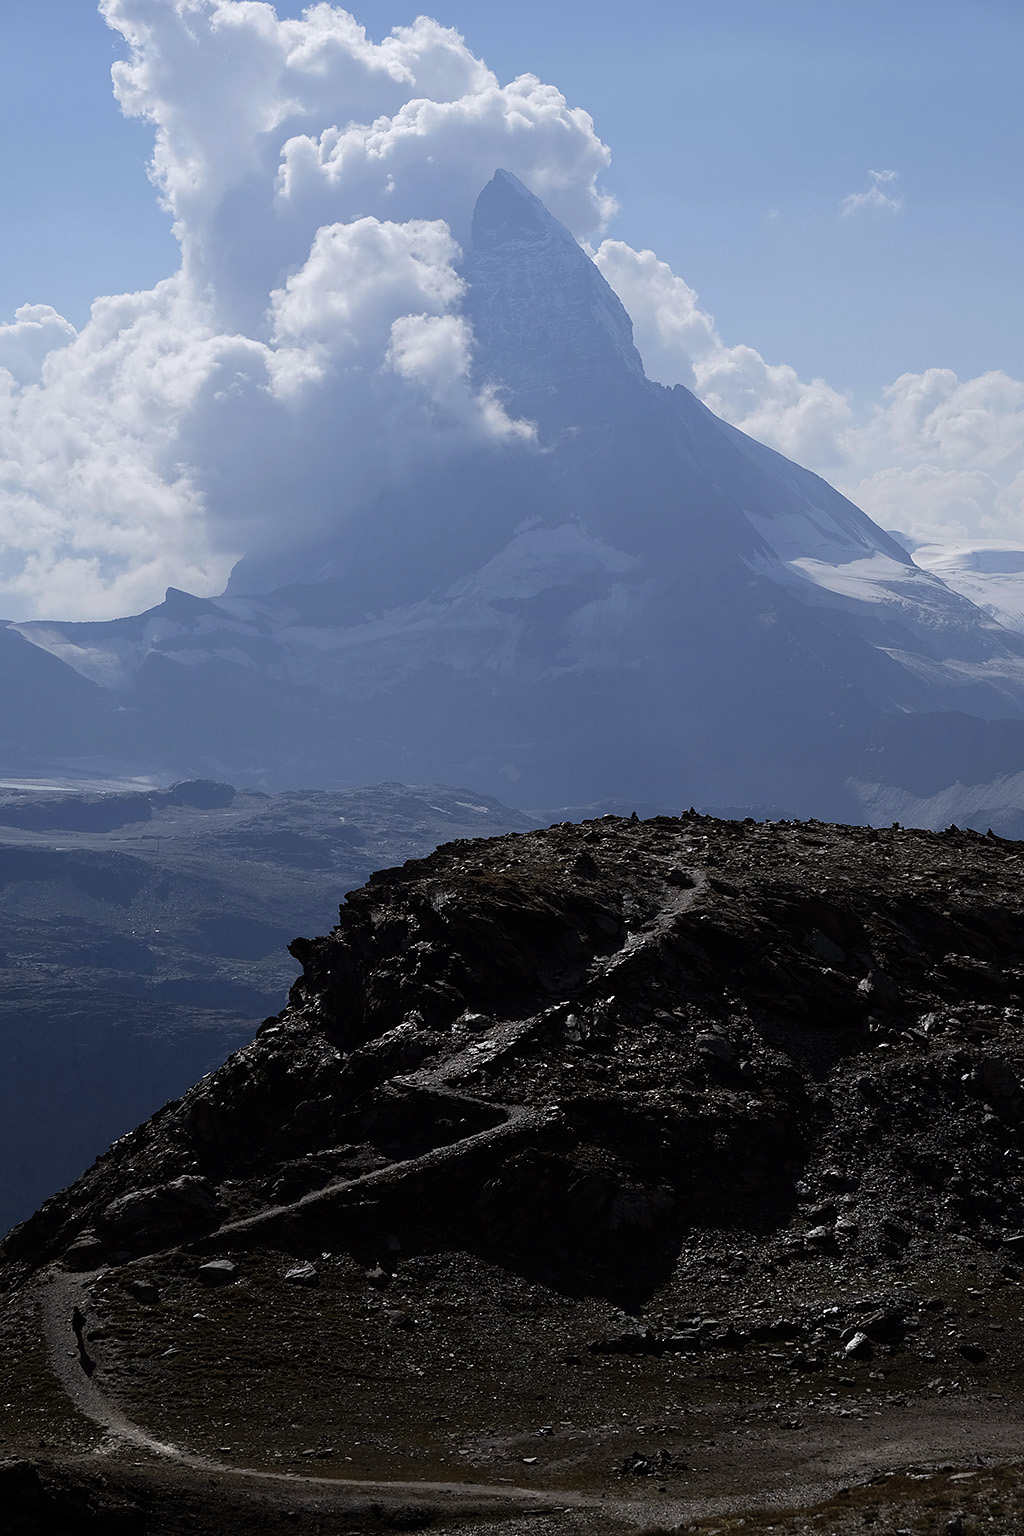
(626,1173)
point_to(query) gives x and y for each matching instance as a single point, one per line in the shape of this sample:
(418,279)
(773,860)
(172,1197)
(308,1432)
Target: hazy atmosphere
(812,221)
(511,768)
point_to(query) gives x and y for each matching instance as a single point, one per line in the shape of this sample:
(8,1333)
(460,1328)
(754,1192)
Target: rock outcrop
(586,1044)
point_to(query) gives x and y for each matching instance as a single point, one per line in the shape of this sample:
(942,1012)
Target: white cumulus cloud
(311,344)
(680,344)
(26,343)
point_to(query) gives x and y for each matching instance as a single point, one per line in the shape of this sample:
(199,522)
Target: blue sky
(736,129)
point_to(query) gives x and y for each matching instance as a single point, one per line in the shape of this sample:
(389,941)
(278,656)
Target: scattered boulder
(176,1204)
(639,1343)
(658,1464)
(398,1317)
(858,1347)
(144,1291)
(86,1252)
(302,1274)
(684,1342)
(714,1047)
(886,1326)
(218,1272)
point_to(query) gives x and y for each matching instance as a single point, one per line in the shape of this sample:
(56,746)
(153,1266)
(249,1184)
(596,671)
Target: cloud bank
(311,343)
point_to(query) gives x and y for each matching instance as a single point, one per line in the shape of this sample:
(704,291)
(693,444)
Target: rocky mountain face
(643,602)
(143,937)
(614,1165)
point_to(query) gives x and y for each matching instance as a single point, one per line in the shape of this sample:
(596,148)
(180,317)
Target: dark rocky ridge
(659,1130)
(689,1017)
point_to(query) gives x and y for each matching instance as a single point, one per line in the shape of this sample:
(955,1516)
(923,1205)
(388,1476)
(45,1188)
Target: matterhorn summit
(630,600)
(545,319)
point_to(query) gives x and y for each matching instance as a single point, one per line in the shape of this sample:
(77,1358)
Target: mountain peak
(507,210)
(543,315)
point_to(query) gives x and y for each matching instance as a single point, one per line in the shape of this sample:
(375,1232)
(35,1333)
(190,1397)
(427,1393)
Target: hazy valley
(144,935)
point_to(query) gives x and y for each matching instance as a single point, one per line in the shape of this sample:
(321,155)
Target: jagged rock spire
(545,319)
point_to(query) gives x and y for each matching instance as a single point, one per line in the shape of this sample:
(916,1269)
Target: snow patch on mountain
(956,804)
(990,573)
(539,559)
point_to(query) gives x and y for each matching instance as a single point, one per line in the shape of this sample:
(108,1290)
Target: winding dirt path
(519,1119)
(927,1439)
(59,1295)
(934,1433)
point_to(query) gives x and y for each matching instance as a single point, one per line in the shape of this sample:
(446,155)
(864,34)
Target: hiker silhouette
(78,1329)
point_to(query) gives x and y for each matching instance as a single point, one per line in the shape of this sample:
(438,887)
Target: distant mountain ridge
(647,603)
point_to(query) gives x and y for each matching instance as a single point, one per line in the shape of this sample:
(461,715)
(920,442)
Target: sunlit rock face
(628,597)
